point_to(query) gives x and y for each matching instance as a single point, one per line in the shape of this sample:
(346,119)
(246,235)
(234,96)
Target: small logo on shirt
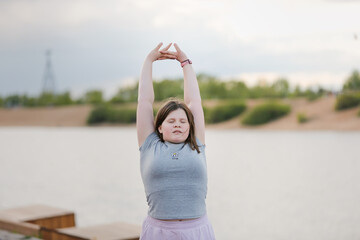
(175,156)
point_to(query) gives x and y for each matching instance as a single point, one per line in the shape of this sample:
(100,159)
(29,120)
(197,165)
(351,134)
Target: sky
(102,44)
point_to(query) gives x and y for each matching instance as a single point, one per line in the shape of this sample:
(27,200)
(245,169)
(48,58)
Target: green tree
(236,90)
(168,88)
(63,99)
(12,101)
(352,82)
(94,97)
(262,90)
(126,94)
(46,99)
(297,92)
(212,88)
(1,102)
(310,94)
(281,87)
(29,101)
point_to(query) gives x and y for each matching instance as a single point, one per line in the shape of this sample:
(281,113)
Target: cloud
(95,42)
(343,1)
(304,79)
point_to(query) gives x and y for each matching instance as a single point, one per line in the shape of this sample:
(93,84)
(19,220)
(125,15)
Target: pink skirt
(197,229)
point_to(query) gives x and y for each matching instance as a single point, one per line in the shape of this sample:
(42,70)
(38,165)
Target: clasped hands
(162,54)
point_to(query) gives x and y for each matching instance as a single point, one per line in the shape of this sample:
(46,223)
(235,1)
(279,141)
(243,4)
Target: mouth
(177,131)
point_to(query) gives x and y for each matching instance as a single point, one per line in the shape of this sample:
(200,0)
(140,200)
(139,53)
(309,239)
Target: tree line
(210,87)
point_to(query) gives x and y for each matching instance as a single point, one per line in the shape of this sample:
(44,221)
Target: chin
(177,140)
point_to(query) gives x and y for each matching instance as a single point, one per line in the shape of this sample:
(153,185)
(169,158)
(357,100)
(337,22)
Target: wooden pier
(51,223)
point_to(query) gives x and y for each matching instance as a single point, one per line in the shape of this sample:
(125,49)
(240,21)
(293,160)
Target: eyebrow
(175,118)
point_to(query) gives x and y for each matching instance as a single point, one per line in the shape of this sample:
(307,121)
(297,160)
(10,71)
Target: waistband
(177,224)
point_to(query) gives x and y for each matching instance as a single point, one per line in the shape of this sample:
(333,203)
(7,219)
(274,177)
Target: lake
(261,184)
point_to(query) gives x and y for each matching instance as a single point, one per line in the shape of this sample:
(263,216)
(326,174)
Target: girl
(172,156)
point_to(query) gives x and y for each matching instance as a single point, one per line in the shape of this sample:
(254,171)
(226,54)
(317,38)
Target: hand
(156,54)
(179,55)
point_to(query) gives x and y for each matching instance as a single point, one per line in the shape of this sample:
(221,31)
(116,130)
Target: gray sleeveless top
(174,177)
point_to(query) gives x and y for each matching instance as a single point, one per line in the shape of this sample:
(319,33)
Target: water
(262,184)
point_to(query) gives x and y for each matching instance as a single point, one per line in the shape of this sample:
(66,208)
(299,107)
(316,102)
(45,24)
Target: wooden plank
(7,235)
(64,221)
(113,231)
(33,212)
(20,227)
(40,215)
(52,223)
(53,234)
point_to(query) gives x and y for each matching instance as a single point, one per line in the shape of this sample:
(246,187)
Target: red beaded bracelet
(187,61)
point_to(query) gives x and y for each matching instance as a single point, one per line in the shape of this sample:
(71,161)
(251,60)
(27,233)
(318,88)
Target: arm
(192,99)
(192,96)
(144,112)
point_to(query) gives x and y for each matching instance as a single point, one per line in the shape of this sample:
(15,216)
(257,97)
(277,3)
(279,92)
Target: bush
(353,82)
(98,115)
(302,118)
(311,96)
(122,115)
(207,114)
(347,100)
(265,113)
(224,111)
(107,113)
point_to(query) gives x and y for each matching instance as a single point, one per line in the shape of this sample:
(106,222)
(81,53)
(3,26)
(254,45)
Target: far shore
(321,114)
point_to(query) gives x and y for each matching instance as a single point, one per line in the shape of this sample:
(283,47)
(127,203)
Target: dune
(45,116)
(320,112)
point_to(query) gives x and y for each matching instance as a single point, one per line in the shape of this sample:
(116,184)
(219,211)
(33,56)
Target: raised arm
(192,96)
(144,112)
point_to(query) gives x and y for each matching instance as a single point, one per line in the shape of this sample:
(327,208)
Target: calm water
(262,184)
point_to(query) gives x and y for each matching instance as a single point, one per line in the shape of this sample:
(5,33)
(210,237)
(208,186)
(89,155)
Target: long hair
(171,105)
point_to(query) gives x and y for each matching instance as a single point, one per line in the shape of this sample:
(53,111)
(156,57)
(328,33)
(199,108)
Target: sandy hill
(321,113)
(45,116)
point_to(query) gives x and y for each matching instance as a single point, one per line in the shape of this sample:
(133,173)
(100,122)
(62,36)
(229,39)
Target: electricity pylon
(49,76)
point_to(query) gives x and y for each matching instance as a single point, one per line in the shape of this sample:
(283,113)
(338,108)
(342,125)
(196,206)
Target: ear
(160,129)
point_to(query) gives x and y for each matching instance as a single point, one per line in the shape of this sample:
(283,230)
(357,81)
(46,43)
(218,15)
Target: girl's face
(175,127)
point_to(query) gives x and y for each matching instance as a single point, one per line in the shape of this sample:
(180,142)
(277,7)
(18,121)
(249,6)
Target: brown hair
(171,105)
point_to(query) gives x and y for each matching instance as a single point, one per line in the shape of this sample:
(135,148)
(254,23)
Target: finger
(163,58)
(168,56)
(167,47)
(177,47)
(158,46)
(168,52)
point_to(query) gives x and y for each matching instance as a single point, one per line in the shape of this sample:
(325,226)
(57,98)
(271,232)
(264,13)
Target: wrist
(182,58)
(185,62)
(149,59)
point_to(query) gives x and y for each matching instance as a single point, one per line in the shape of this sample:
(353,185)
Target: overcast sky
(102,44)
